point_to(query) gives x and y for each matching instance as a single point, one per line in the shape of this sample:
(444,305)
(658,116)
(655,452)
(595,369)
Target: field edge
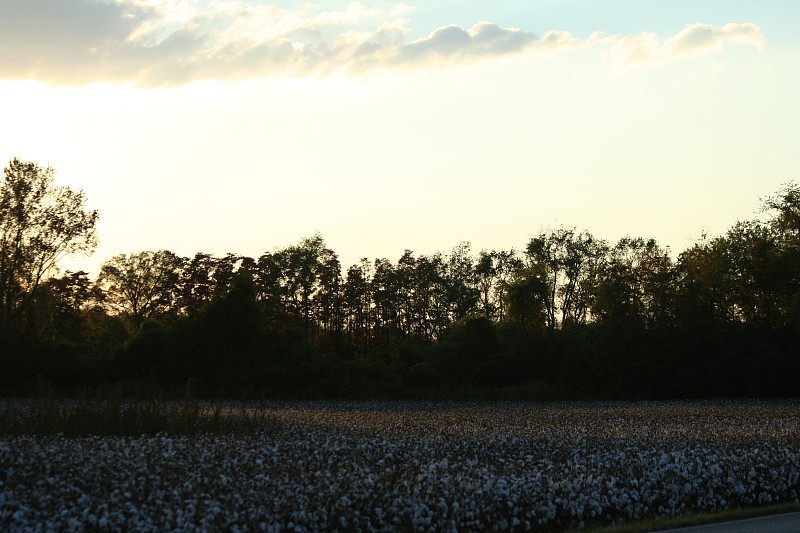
(698,519)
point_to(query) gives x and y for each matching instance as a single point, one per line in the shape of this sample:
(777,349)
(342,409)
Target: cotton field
(411,466)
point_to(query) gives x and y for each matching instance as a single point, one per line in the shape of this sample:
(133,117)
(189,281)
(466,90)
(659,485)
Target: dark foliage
(571,316)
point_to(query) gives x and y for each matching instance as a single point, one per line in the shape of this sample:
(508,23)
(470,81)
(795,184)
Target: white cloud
(646,49)
(453,42)
(171,42)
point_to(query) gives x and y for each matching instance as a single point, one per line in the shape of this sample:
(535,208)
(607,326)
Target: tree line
(569,315)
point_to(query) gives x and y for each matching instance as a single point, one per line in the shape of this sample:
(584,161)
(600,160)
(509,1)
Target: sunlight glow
(379,159)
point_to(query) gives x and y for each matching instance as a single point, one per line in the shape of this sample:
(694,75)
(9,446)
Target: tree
(786,229)
(228,341)
(141,285)
(387,303)
(430,305)
(749,275)
(40,223)
(195,284)
(328,298)
(59,307)
(572,263)
(526,299)
(636,283)
(357,299)
(485,272)
(787,205)
(493,270)
(404,282)
(288,279)
(461,282)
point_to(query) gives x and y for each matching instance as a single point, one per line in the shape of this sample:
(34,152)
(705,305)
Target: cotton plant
(419,466)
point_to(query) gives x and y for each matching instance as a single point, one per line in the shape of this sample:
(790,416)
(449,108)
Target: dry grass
(113,415)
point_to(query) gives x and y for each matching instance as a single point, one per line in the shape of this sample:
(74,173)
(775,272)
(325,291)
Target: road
(782,523)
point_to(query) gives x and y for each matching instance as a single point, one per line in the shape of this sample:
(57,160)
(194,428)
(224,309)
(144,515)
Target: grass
(110,414)
(688,520)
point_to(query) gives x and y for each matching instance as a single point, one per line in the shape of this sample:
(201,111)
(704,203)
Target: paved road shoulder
(782,523)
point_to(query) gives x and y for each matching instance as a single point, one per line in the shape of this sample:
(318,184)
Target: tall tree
(301,265)
(141,285)
(748,275)
(40,223)
(461,282)
(571,264)
(270,289)
(60,305)
(786,226)
(526,296)
(328,298)
(636,283)
(486,272)
(195,284)
(404,282)
(493,272)
(357,298)
(786,206)
(430,304)
(385,295)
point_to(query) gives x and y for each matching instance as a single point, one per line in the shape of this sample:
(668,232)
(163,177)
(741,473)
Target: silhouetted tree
(271,292)
(328,300)
(141,285)
(786,204)
(636,283)
(430,306)
(526,297)
(386,298)
(296,271)
(60,304)
(468,353)
(230,338)
(357,298)
(195,285)
(786,227)
(405,280)
(461,282)
(571,313)
(493,271)
(486,272)
(571,262)
(40,223)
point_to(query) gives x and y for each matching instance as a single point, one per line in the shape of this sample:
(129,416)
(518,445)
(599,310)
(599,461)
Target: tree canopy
(40,223)
(568,314)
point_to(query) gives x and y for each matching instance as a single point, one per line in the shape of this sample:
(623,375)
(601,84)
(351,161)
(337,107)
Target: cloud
(163,43)
(56,39)
(646,49)
(454,43)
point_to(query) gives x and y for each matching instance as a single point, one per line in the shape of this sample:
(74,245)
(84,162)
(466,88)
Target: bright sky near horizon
(245,125)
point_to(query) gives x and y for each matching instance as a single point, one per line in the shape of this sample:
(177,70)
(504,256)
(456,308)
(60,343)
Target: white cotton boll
(495,470)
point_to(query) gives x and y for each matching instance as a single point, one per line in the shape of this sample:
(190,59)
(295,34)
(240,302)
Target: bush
(422,375)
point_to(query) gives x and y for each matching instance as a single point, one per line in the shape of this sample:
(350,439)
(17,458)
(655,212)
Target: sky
(244,126)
